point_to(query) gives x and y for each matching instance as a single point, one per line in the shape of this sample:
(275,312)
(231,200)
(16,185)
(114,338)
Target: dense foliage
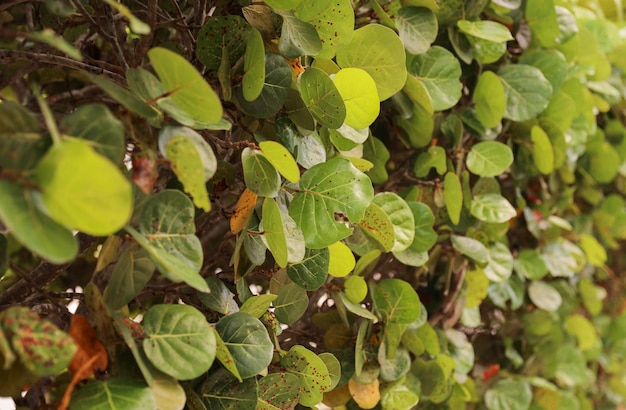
(371,204)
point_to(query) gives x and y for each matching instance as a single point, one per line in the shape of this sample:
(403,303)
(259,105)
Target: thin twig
(10,56)
(146,40)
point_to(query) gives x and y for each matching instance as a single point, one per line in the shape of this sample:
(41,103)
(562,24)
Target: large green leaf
(492,208)
(273,232)
(179,341)
(291,303)
(486,30)
(358,90)
(397,301)
(220,298)
(219,33)
(297,37)
(278,391)
(41,347)
(275,87)
(333,20)
(509,394)
(401,218)
(379,51)
(499,263)
(221,391)
(376,224)
(259,174)
(439,71)
(530,264)
(33,228)
(114,394)
(489,99)
(544,296)
(425,236)
(166,231)
(312,372)
(95,123)
(551,63)
(254,66)
(21,144)
(471,248)
(489,158)
(311,272)
(186,86)
(329,193)
(417,28)
(542,19)
(322,98)
(247,341)
(131,273)
(96,200)
(527,91)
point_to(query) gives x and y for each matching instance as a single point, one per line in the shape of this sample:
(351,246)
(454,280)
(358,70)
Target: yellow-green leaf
(281,159)
(341,260)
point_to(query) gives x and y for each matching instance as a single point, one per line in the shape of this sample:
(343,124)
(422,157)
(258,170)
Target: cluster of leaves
(387,204)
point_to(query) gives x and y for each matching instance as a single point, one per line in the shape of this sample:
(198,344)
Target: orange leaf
(88,347)
(243,210)
(490,372)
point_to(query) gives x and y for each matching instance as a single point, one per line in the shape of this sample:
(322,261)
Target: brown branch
(146,40)
(42,275)
(10,56)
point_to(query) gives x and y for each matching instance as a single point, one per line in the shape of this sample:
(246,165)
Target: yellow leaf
(366,396)
(243,210)
(341,260)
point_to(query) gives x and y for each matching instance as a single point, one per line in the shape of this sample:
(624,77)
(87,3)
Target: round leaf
(322,98)
(248,342)
(275,88)
(297,37)
(510,395)
(219,33)
(291,303)
(489,158)
(355,288)
(527,91)
(397,301)
(333,20)
(489,99)
(179,341)
(312,271)
(278,391)
(358,90)
(131,273)
(281,159)
(259,174)
(329,193)
(83,190)
(401,217)
(117,393)
(544,296)
(530,264)
(493,208)
(499,264)
(486,30)
(379,51)
(312,372)
(439,71)
(222,391)
(417,28)
(341,260)
(471,248)
(378,226)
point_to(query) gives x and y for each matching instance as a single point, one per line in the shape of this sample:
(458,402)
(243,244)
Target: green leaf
(278,391)
(131,273)
(322,98)
(283,4)
(248,342)
(355,288)
(166,231)
(95,124)
(561,258)
(453,196)
(281,159)
(204,150)
(254,66)
(425,236)
(275,87)
(33,228)
(179,341)
(493,208)
(187,87)
(219,33)
(435,157)
(377,225)
(476,286)
(489,99)
(471,248)
(595,252)
(312,372)
(396,301)
(542,19)
(340,260)
(224,356)
(290,304)
(334,368)
(543,153)
(392,368)
(312,271)
(186,163)
(401,218)
(439,71)
(296,248)
(509,394)
(527,91)
(551,63)
(122,95)
(417,28)
(42,348)
(219,298)
(379,51)
(604,163)
(52,39)
(259,174)
(358,90)
(489,158)
(298,38)
(96,200)
(530,264)
(499,263)
(544,296)
(257,305)
(583,329)
(485,30)
(333,20)
(327,192)
(115,393)
(221,391)
(273,232)
(21,142)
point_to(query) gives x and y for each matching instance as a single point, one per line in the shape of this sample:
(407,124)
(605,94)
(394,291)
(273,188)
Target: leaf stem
(47,116)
